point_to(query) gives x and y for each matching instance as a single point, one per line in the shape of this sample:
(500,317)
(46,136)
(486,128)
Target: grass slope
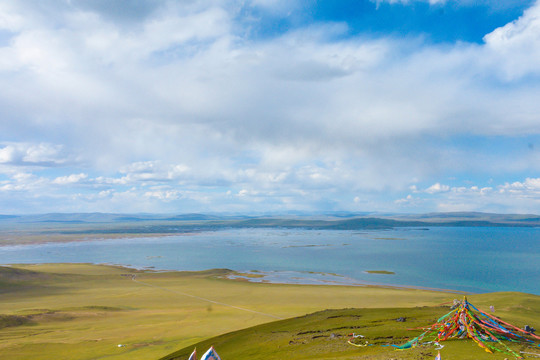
(82,311)
(324,334)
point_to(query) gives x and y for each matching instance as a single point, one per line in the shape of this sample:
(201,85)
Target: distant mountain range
(110,218)
(174,223)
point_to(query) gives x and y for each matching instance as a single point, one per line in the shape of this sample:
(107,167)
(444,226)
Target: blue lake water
(472,259)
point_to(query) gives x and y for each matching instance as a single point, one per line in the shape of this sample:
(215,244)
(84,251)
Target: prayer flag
(438,356)
(193,355)
(211,354)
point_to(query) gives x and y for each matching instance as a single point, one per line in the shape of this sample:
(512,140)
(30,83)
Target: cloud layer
(173,106)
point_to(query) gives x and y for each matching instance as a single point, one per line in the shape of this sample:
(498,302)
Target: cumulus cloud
(165,195)
(42,154)
(528,187)
(437,188)
(517,197)
(24,182)
(175,94)
(70,179)
(516,46)
(7,154)
(409,200)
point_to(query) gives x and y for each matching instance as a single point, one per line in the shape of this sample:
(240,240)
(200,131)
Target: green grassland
(325,335)
(83,311)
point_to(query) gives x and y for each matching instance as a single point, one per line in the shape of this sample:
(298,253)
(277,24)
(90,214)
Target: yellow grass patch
(83,311)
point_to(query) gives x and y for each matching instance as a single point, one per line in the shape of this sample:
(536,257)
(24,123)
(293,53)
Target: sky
(269,106)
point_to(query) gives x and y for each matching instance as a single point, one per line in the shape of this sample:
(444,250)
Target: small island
(384,272)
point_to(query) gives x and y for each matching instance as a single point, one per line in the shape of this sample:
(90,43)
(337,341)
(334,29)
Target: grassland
(323,336)
(63,311)
(82,311)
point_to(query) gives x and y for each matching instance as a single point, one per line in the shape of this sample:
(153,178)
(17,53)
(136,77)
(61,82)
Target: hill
(20,229)
(324,334)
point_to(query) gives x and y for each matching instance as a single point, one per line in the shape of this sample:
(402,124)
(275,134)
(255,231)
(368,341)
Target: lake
(471,259)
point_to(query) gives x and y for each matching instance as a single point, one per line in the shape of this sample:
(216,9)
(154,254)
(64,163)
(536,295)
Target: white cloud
(167,31)
(9,19)
(42,154)
(515,47)
(437,188)
(7,154)
(245,192)
(528,187)
(165,195)
(408,200)
(24,182)
(176,95)
(517,197)
(140,167)
(70,179)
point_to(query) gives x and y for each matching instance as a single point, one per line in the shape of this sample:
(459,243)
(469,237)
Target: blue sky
(269,106)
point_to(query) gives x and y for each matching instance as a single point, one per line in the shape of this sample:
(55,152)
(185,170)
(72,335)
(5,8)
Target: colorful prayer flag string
(486,330)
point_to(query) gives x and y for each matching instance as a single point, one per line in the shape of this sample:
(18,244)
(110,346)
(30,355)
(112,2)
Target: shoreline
(28,240)
(247,276)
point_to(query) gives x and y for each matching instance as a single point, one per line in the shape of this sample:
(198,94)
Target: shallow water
(472,259)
